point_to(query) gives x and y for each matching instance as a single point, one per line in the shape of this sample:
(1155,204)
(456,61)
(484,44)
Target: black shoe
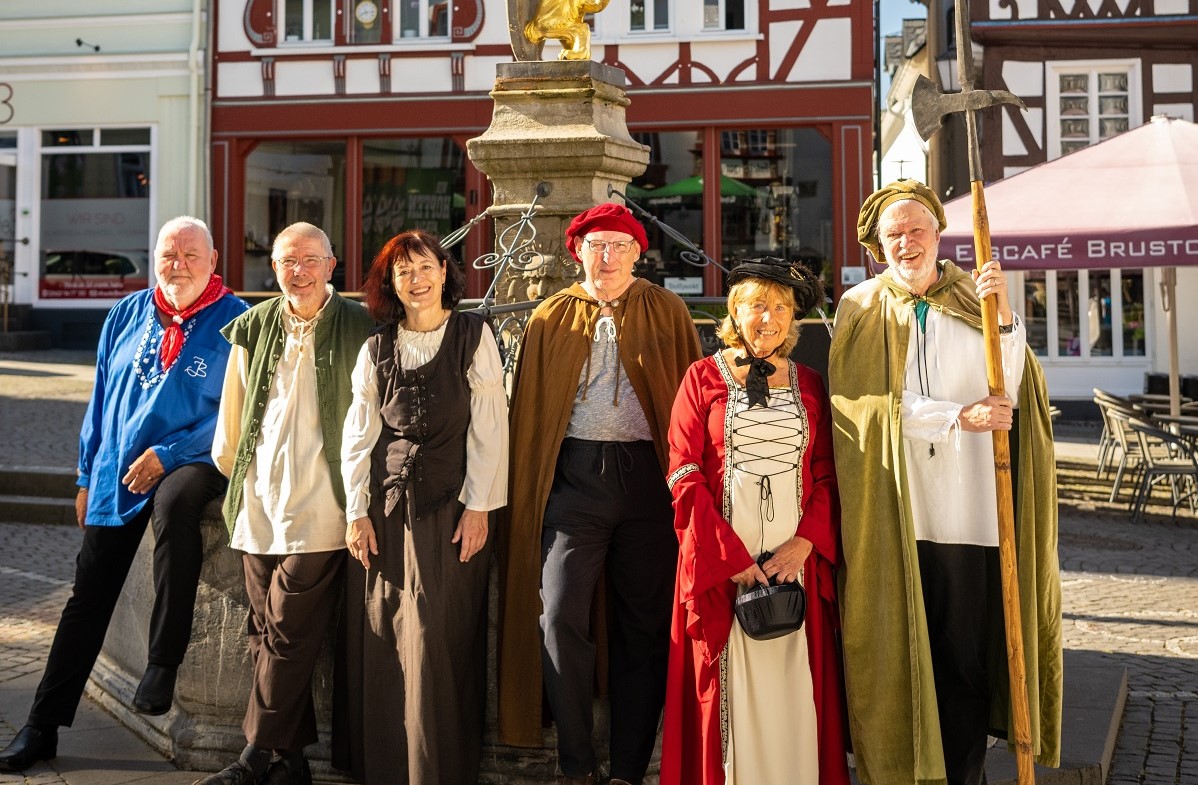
(156,691)
(30,746)
(285,772)
(236,773)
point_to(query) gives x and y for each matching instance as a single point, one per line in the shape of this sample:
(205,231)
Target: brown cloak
(658,343)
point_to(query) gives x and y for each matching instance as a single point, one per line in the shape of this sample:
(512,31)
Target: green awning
(693,186)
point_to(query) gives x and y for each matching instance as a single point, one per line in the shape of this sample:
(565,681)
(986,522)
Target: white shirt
(485,487)
(287,499)
(950,473)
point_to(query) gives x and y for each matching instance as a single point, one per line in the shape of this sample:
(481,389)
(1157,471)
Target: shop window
(648,15)
(1072,313)
(410,184)
(287,182)
(1035,311)
(776,196)
(723,14)
(1089,103)
(95,215)
(424,18)
(306,20)
(672,190)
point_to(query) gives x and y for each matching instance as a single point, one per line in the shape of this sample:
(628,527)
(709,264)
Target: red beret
(606,217)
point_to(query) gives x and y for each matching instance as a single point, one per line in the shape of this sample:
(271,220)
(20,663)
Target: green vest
(340,333)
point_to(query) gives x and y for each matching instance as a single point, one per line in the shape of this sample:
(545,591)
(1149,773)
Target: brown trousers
(292,601)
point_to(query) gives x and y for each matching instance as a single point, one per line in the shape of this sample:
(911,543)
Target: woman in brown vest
(424,459)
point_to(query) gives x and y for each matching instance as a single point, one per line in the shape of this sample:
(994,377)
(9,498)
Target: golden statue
(564,20)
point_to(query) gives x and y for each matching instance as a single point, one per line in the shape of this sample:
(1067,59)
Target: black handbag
(769,612)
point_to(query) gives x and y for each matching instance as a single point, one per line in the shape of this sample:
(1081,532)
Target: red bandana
(172,340)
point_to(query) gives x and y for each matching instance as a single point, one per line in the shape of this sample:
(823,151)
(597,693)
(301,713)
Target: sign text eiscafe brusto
(1083,253)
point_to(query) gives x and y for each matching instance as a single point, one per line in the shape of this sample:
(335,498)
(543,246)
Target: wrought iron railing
(516,252)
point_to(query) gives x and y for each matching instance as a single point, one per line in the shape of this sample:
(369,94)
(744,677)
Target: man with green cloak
(920,594)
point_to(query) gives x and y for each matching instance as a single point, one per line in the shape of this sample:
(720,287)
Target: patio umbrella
(693,186)
(1130,201)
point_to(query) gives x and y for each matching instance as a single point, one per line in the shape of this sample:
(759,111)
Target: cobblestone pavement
(1129,590)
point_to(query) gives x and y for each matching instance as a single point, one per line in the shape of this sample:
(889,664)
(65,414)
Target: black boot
(157,690)
(30,746)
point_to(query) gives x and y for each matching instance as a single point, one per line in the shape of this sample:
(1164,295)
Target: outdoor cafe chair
(1120,442)
(1125,442)
(1107,443)
(1164,456)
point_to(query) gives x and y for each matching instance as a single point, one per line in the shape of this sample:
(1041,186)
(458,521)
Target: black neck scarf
(757,382)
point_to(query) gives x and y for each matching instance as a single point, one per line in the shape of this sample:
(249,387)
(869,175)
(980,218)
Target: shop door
(8,225)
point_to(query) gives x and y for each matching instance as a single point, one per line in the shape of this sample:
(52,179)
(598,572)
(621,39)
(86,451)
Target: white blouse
(288,504)
(485,487)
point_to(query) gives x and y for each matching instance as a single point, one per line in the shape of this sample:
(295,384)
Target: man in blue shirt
(144,454)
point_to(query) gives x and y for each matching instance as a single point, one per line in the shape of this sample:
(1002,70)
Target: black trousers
(292,601)
(609,505)
(176,508)
(964,614)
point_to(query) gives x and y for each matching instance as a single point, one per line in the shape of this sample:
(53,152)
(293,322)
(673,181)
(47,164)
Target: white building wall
(144,76)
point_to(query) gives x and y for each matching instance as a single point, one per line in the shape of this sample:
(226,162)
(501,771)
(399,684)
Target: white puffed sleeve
(928,420)
(487,437)
(363,424)
(1014,352)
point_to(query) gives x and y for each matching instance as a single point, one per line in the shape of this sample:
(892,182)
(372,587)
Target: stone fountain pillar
(561,122)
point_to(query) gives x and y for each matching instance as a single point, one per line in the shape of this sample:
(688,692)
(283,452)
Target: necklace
(144,359)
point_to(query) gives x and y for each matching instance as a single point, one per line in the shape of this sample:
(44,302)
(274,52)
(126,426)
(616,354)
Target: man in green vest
(286,393)
(924,645)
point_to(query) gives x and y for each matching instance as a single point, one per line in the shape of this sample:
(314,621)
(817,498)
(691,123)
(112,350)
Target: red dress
(711,553)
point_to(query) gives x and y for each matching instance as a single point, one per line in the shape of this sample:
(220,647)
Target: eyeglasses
(307,262)
(616,246)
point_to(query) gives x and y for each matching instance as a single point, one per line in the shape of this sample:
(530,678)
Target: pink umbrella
(1130,201)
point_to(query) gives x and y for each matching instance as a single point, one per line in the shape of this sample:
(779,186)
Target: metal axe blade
(929,105)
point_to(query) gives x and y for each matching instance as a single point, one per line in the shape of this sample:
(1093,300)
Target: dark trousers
(176,507)
(959,584)
(292,600)
(609,505)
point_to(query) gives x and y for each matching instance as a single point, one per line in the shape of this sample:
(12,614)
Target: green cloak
(888,668)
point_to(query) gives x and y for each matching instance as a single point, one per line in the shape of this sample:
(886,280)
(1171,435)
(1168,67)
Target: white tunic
(485,487)
(950,473)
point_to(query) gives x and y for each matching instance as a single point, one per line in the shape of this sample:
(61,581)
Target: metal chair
(1163,456)
(1124,441)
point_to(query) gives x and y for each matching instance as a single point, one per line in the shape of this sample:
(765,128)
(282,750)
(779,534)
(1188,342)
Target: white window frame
(397,36)
(720,28)
(650,18)
(1056,69)
(35,153)
(309,24)
(1053,327)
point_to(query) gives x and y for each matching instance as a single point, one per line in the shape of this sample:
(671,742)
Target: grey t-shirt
(594,416)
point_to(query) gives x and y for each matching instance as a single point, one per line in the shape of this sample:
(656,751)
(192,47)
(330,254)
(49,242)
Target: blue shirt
(135,405)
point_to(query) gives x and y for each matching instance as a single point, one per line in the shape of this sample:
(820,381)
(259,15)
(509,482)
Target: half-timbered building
(354,114)
(1087,70)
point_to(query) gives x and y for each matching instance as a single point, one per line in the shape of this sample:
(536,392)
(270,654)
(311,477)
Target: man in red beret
(599,367)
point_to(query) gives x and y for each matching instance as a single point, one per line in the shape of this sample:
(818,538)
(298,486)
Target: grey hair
(184,222)
(304,230)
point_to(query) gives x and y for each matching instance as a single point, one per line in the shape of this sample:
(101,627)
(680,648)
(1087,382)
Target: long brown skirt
(411,697)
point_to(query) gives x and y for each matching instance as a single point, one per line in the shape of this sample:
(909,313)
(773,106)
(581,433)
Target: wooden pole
(1006,508)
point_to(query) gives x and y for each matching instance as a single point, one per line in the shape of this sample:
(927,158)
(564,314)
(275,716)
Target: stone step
(50,482)
(37,509)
